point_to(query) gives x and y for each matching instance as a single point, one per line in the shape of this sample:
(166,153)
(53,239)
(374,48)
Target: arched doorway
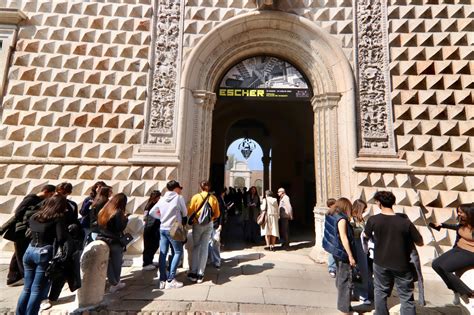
(309,48)
(268,99)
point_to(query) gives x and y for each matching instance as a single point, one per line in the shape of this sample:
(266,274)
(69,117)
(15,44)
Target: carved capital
(374,78)
(329,100)
(205,99)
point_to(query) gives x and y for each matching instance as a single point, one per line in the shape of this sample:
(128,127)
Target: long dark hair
(52,209)
(93,189)
(115,206)
(468,209)
(154,197)
(101,198)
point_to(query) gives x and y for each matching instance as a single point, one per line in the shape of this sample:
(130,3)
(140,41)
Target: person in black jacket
(20,220)
(75,239)
(112,222)
(84,211)
(47,228)
(151,232)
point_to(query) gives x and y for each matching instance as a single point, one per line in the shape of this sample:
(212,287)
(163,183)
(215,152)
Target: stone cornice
(11,16)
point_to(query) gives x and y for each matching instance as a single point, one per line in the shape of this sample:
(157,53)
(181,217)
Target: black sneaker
(200,278)
(192,277)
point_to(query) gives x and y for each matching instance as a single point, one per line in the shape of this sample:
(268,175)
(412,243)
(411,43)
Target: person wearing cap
(168,209)
(201,231)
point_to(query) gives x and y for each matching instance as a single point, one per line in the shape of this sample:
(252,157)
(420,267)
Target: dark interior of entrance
(285,128)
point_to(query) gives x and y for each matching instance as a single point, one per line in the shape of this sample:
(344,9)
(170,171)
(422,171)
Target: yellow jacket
(198,199)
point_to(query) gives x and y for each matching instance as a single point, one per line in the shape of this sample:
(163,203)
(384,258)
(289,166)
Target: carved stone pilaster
(376,123)
(201,151)
(326,146)
(166,58)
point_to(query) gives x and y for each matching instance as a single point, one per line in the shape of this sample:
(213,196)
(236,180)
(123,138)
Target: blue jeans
(384,280)
(201,238)
(36,288)
(214,250)
(331,264)
(165,242)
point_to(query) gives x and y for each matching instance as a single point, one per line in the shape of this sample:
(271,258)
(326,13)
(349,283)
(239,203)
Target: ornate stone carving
(374,84)
(166,59)
(267,4)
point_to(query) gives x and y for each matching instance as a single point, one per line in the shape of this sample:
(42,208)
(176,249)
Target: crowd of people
(368,257)
(49,233)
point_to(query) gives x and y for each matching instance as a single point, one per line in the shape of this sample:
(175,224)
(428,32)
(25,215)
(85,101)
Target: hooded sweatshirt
(169,208)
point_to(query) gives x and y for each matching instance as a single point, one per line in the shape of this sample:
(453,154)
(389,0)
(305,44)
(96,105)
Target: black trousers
(151,243)
(15,270)
(456,259)
(284,230)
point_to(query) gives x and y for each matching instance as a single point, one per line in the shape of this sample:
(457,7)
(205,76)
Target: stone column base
(318,254)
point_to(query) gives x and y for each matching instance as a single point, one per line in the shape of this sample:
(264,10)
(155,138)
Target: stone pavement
(250,281)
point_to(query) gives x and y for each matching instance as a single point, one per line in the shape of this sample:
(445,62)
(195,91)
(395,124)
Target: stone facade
(123,91)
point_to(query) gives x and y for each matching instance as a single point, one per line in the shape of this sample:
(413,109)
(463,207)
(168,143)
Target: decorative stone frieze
(166,58)
(373,75)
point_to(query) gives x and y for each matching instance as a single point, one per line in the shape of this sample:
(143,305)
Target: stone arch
(303,44)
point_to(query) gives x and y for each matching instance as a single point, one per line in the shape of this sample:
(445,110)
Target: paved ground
(250,281)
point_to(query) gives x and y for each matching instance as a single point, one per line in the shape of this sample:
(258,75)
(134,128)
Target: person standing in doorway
(286,214)
(21,242)
(394,238)
(202,228)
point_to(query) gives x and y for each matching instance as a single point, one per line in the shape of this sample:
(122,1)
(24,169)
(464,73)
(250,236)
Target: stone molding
(9,20)
(377,136)
(11,16)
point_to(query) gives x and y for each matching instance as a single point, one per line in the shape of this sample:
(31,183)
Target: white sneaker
(149,267)
(162,285)
(173,284)
(118,286)
(46,304)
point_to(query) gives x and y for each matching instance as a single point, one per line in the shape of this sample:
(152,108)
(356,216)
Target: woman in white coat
(270,229)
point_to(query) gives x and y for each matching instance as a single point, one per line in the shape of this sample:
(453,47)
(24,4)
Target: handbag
(125,239)
(178,232)
(8,229)
(262,217)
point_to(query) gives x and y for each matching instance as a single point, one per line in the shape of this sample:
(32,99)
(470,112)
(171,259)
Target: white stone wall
(74,106)
(432,64)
